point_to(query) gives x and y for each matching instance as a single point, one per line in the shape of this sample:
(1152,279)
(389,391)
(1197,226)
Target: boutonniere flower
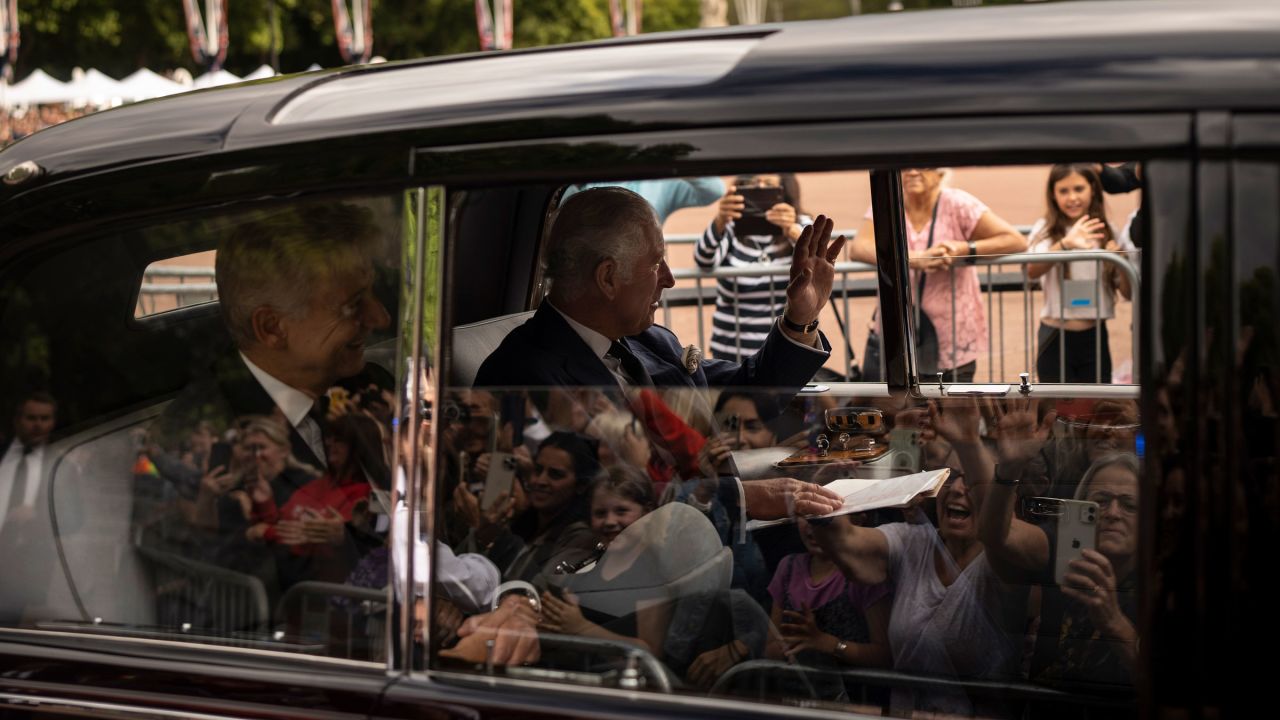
(691,358)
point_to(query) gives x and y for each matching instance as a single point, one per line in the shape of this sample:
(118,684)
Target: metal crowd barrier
(202,289)
(990,282)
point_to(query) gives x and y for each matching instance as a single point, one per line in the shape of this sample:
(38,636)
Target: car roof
(1076,57)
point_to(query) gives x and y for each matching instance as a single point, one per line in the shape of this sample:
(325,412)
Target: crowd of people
(958,587)
(15,125)
(590,482)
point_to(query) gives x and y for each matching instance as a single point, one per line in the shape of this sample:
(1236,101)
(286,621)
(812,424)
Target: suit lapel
(247,397)
(665,371)
(578,362)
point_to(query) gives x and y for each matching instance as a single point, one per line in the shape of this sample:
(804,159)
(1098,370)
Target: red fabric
(315,496)
(323,493)
(676,437)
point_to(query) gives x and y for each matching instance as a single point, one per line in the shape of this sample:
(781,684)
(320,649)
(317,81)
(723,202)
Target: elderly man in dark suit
(606,262)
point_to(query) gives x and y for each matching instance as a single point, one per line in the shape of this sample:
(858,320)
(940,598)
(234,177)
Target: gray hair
(279,259)
(593,226)
(1126,460)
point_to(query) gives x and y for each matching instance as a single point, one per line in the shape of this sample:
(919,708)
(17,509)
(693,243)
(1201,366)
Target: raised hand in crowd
(784,216)
(497,514)
(730,208)
(713,458)
(957,423)
(218,481)
(1086,234)
(1018,434)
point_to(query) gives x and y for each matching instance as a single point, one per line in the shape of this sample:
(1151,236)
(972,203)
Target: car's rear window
(177,282)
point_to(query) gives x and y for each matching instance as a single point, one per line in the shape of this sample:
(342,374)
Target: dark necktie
(18,495)
(313,431)
(631,364)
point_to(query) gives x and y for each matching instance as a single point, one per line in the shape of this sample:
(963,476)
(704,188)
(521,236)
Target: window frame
(234,658)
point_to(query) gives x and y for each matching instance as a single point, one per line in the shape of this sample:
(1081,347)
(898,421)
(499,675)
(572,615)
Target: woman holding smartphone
(1088,629)
(757,225)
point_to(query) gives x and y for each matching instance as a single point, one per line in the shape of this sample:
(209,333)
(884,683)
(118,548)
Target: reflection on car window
(644,502)
(252,508)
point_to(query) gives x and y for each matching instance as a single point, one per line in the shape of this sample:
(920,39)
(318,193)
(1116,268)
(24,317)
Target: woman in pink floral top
(945,227)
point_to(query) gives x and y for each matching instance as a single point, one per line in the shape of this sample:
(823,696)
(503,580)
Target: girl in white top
(1078,296)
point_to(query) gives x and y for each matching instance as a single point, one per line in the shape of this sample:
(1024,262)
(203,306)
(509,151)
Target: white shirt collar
(598,343)
(293,402)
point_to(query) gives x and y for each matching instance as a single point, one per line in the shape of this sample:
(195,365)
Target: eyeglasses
(1128,503)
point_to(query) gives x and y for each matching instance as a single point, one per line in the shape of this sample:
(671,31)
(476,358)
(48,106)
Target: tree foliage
(119,36)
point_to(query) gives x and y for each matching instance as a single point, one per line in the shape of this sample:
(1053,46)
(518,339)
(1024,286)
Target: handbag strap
(933,224)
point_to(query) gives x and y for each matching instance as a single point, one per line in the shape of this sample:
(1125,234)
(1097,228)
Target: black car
(251,472)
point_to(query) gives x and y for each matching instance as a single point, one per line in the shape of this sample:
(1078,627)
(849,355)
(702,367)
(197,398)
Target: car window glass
(614,490)
(219,477)
(1061,309)
(177,282)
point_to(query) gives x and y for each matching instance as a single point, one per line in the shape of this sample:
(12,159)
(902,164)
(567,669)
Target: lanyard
(933,224)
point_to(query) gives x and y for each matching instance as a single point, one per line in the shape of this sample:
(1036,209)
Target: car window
(177,282)
(218,476)
(1004,281)
(620,460)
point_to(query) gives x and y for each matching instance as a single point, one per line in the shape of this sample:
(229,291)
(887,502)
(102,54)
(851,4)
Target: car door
(1161,142)
(108,611)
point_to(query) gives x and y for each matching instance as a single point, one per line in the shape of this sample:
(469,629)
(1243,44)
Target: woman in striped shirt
(747,307)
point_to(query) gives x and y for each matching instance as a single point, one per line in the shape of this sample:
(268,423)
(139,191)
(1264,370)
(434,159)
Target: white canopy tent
(144,84)
(96,89)
(264,71)
(38,88)
(213,79)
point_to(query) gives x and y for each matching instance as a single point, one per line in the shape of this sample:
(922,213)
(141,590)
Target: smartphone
(904,450)
(756,202)
(501,476)
(1076,529)
(220,456)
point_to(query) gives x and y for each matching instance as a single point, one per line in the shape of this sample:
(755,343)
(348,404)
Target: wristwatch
(973,253)
(841,646)
(797,327)
(1008,482)
(520,586)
